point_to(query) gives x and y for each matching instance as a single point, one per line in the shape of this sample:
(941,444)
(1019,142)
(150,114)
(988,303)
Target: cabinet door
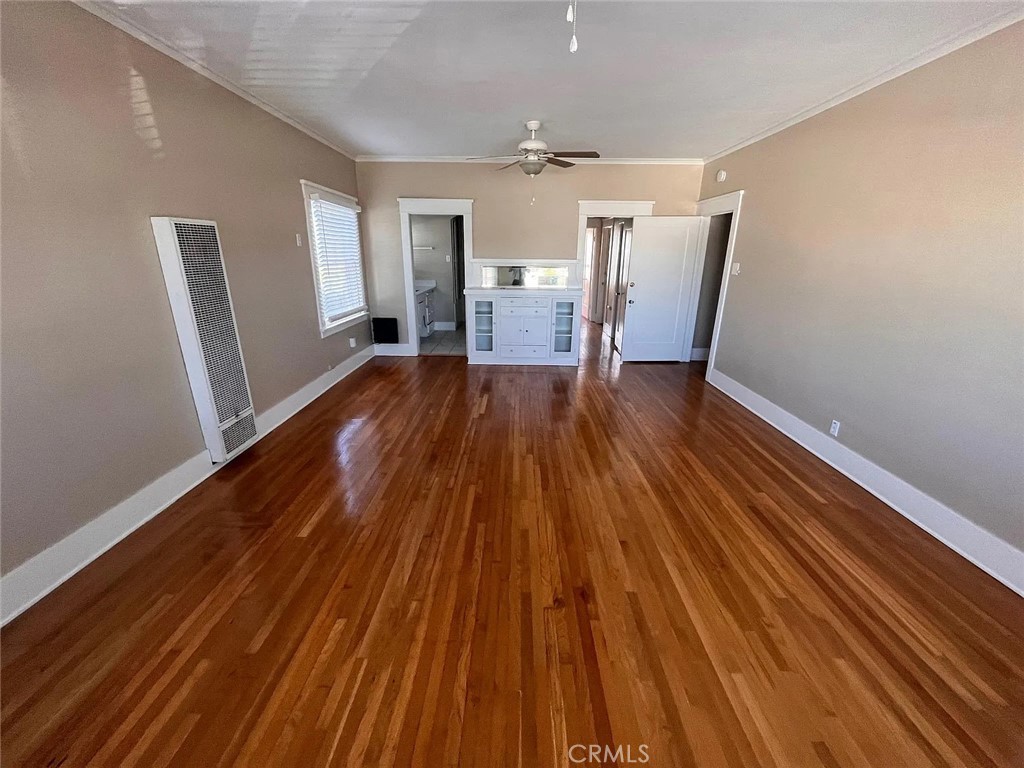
(535,330)
(565,328)
(510,329)
(483,325)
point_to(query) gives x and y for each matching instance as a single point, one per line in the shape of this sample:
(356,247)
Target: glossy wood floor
(438,565)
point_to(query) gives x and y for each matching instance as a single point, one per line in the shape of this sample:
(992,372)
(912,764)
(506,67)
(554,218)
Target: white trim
(111,16)
(425,206)
(37,577)
(996,557)
(396,350)
(343,323)
(340,198)
(731,202)
(436,206)
(699,353)
(576,160)
(445,325)
(936,51)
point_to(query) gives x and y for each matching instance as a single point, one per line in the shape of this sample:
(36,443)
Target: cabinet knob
(632,302)
(632,285)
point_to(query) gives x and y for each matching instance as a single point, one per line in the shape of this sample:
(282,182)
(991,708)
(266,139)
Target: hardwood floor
(438,565)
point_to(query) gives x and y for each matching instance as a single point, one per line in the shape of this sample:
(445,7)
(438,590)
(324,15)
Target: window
(337,257)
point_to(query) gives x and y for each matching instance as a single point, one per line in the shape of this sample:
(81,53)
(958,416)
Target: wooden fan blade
(576,154)
(560,163)
(507,166)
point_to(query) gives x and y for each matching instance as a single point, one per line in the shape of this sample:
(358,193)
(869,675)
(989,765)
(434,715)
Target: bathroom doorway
(438,251)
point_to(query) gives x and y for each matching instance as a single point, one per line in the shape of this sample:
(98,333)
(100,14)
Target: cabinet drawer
(523,311)
(524,350)
(523,302)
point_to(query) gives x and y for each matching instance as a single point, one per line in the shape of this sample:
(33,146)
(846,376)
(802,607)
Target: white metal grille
(341,288)
(238,434)
(211,307)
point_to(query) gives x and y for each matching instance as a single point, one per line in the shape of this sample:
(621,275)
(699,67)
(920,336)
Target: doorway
(438,255)
(719,228)
(447,208)
(724,215)
(606,268)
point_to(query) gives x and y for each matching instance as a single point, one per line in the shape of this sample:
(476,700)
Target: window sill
(343,323)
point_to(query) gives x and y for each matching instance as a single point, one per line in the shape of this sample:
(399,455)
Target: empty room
(530,383)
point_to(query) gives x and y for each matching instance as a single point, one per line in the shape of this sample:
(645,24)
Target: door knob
(632,285)
(632,302)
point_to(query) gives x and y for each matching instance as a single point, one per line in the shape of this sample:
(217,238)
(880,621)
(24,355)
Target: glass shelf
(483,311)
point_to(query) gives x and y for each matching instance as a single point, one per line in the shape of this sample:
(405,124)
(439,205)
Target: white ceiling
(650,80)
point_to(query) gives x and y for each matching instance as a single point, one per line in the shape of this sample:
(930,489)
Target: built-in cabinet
(532,328)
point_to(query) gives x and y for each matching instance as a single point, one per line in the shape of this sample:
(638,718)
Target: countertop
(513,290)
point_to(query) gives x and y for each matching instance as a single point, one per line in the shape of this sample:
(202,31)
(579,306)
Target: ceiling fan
(533,155)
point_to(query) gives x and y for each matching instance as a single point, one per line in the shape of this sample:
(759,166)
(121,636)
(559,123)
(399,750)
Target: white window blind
(337,257)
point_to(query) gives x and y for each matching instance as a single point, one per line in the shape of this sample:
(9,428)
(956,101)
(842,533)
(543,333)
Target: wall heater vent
(197,286)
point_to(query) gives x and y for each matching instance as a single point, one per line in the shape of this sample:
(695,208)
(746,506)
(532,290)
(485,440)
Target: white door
(659,289)
(535,330)
(510,329)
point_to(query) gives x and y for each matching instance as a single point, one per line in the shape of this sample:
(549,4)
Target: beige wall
(505,225)
(882,283)
(96,403)
(435,232)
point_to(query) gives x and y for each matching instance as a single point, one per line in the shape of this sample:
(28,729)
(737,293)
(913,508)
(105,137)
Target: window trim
(309,189)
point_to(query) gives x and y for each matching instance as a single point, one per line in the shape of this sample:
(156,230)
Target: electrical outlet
(834,429)
(448,258)
(735,269)
(298,239)
(352,341)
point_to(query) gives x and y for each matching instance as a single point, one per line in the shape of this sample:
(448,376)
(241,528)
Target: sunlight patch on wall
(143,117)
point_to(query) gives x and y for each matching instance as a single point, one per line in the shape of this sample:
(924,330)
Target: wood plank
(437,565)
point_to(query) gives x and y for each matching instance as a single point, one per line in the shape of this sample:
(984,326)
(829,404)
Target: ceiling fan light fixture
(531,166)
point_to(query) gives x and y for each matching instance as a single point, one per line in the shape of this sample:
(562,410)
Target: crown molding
(112,17)
(576,160)
(937,51)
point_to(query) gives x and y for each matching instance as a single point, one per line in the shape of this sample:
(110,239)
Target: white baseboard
(396,350)
(998,558)
(276,415)
(699,353)
(445,326)
(37,577)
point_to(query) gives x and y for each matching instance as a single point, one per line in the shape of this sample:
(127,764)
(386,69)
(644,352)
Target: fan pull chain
(533,189)
(570,15)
